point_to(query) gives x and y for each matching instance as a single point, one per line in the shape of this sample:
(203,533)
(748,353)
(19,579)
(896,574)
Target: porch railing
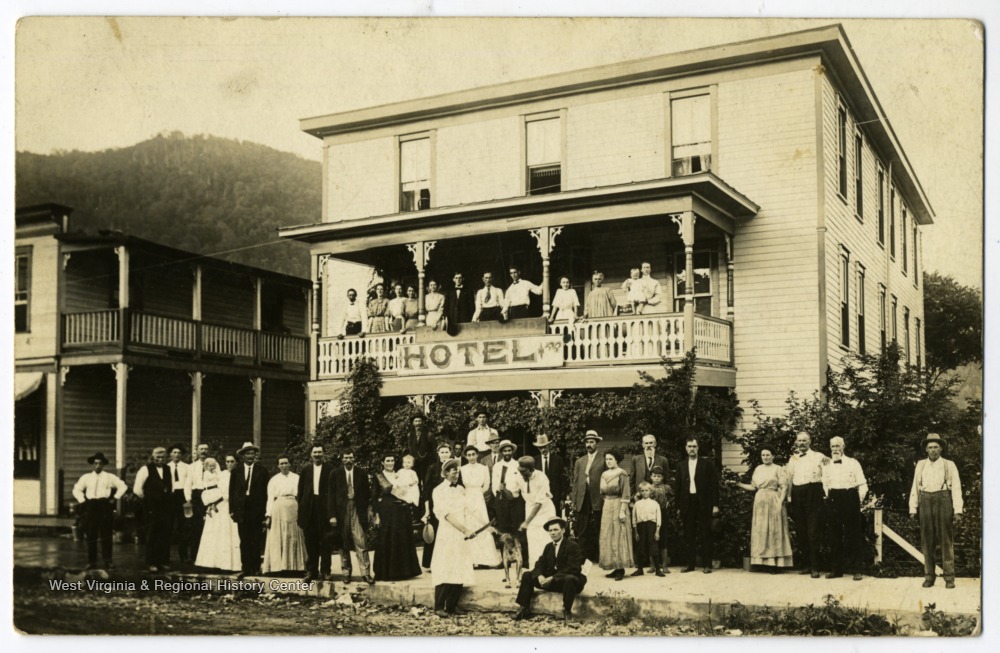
(338,357)
(158,331)
(90,328)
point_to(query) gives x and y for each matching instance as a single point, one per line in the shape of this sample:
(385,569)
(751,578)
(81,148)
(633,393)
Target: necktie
(649,463)
(177,476)
(454,484)
(527,486)
(249,477)
(350,484)
(545,463)
(838,462)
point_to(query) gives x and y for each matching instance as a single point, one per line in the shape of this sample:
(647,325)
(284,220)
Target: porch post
(122,254)
(257,284)
(258,396)
(196,292)
(730,265)
(421,256)
(196,380)
(121,405)
(685,224)
(49,475)
(546,240)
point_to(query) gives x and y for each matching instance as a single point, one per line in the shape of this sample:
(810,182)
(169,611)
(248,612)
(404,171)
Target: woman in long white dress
(434,305)
(476,479)
(220,539)
(285,548)
(566,303)
(538,508)
(451,566)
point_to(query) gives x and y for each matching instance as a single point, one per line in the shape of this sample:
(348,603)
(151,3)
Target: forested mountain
(202,193)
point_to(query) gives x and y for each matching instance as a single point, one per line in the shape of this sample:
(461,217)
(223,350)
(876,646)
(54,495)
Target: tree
(953,314)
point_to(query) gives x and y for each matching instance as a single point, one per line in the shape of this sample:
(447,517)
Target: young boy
(663,494)
(646,520)
(406,486)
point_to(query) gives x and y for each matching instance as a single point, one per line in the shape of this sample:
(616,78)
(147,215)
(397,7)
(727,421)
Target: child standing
(662,493)
(646,520)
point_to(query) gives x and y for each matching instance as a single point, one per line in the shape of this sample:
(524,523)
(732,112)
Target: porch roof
(705,194)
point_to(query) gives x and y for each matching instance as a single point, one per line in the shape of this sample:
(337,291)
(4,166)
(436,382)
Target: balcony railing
(595,342)
(101,330)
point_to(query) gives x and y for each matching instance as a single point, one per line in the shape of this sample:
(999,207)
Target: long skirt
(395,552)
(616,536)
(285,549)
(220,540)
(452,562)
(484,550)
(537,536)
(770,543)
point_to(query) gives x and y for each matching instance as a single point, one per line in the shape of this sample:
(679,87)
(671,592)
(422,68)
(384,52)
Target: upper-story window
(859,195)
(543,149)
(903,238)
(883,318)
(415,173)
(881,207)
(22,291)
(861,308)
(702,281)
(916,257)
(906,333)
(892,223)
(842,151)
(917,343)
(895,310)
(690,134)
(845,297)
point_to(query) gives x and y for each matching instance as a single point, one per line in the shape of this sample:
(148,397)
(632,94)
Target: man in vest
(154,485)
(96,492)
(936,497)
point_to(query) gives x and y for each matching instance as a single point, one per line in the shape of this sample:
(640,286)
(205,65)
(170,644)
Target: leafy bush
(831,618)
(947,625)
(618,608)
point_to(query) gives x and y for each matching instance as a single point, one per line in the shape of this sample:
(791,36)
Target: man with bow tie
(459,304)
(517,299)
(805,469)
(354,321)
(559,569)
(96,493)
(154,485)
(845,488)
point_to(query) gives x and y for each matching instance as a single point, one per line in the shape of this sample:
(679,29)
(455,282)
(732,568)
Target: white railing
(713,339)
(227,341)
(158,331)
(337,357)
(95,327)
(283,348)
(626,338)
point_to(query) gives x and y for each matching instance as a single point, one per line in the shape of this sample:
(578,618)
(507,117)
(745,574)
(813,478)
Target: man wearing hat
(248,504)
(936,496)
(96,492)
(559,569)
(586,495)
(481,435)
(552,465)
(421,444)
(154,486)
(350,510)
(506,488)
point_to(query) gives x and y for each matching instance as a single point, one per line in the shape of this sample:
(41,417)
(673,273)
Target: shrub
(949,625)
(619,609)
(831,618)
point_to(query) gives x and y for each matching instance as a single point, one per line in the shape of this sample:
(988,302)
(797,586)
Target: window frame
(24,252)
(892,221)
(526,169)
(845,298)
(906,332)
(916,257)
(401,140)
(713,152)
(841,150)
(903,250)
(881,207)
(680,265)
(859,310)
(859,185)
(883,317)
(917,342)
(894,319)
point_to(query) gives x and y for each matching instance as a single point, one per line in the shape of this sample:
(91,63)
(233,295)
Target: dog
(510,549)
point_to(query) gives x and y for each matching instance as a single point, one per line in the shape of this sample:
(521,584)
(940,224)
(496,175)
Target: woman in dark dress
(395,553)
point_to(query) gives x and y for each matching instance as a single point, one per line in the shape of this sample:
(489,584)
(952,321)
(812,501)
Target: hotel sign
(513,353)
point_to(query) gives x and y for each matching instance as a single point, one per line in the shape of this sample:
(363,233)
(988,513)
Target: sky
(97,83)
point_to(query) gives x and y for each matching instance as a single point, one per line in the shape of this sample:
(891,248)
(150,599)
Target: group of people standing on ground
(444,311)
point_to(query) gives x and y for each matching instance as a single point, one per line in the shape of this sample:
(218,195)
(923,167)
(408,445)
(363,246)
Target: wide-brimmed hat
(541,440)
(526,461)
(507,443)
(933,437)
(428,533)
(97,456)
(246,446)
(448,464)
(555,520)
(592,435)
(493,438)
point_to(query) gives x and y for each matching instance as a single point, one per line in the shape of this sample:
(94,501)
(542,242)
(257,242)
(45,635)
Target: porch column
(196,292)
(545,237)
(421,252)
(122,254)
(258,397)
(121,402)
(729,277)
(196,380)
(257,284)
(310,413)
(49,475)
(685,224)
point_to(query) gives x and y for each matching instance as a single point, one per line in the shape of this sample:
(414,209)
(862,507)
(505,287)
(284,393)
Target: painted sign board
(510,353)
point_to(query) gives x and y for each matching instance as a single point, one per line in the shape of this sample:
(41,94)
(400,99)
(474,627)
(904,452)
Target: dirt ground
(39,610)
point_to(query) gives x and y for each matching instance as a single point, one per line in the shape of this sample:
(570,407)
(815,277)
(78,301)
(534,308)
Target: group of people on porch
(613,512)
(445,309)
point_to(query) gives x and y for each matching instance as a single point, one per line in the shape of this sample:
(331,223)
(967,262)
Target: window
(702,282)
(903,241)
(690,135)
(415,174)
(861,308)
(845,298)
(892,223)
(842,150)
(859,203)
(916,263)
(906,333)
(22,291)
(883,318)
(881,207)
(918,342)
(895,304)
(544,155)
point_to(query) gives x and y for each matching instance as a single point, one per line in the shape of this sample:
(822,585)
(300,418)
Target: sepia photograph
(498,326)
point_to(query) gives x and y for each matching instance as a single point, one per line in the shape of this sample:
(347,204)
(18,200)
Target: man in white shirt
(489,301)
(354,321)
(936,496)
(480,436)
(805,468)
(193,487)
(154,485)
(96,493)
(517,299)
(845,487)
(182,525)
(506,488)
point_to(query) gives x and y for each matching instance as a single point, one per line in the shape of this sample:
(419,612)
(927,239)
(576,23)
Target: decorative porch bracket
(545,237)
(685,226)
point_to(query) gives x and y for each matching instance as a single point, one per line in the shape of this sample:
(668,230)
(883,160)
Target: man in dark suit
(560,569)
(552,465)
(586,495)
(350,505)
(421,444)
(153,484)
(314,513)
(247,505)
(459,304)
(697,493)
(641,464)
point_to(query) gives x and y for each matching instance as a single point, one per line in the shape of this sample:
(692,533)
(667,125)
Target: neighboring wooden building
(122,344)
(766,171)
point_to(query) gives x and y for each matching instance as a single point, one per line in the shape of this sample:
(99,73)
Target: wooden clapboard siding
(769,154)
(88,408)
(477,161)
(359,179)
(159,411)
(91,281)
(294,310)
(227,298)
(40,340)
(166,287)
(227,412)
(282,416)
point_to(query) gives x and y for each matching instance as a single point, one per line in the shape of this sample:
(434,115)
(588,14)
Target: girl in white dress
(451,566)
(434,305)
(476,478)
(538,508)
(220,539)
(566,303)
(285,549)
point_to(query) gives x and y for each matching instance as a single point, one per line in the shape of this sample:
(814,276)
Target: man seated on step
(560,569)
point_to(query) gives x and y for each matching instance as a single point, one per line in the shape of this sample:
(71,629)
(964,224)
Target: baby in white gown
(406,485)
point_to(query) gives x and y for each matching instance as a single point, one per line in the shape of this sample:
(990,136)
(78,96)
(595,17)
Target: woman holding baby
(396,497)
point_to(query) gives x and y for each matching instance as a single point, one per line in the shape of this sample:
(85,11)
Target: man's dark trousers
(318,549)
(846,540)
(807,513)
(587,528)
(568,584)
(696,520)
(99,524)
